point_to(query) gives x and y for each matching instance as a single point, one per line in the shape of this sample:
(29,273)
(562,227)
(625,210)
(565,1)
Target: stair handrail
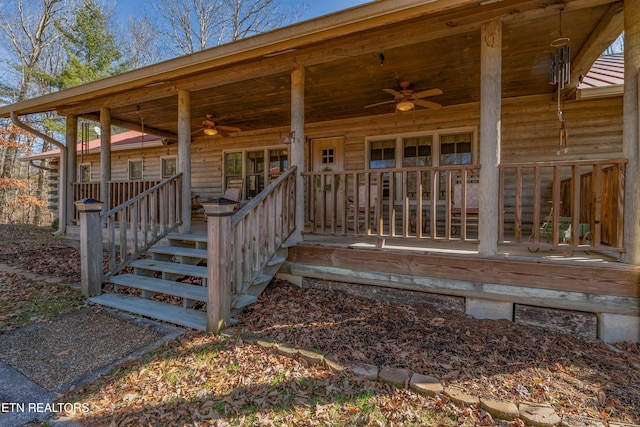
(270,218)
(154,213)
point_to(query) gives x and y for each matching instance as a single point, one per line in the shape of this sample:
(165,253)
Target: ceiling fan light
(210,131)
(405,105)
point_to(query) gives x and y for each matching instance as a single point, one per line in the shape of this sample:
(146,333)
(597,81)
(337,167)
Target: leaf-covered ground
(206,380)
(28,298)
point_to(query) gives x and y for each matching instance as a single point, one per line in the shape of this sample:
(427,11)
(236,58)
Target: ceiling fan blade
(228,128)
(199,130)
(222,133)
(394,92)
(209,123)
(380,103)
(427,104)
(429,92)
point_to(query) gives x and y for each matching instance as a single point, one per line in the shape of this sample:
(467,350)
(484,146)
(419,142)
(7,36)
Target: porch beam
(490,111)
(630,132)
(184,156)
(135,126)
(71,141)
(298,143)
(607,30)
(105,156)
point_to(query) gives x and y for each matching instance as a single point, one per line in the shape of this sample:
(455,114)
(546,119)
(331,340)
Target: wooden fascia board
(292,37)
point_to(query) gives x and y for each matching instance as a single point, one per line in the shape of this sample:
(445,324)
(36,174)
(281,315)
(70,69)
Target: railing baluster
(518,207)
(575,205)
(597,205)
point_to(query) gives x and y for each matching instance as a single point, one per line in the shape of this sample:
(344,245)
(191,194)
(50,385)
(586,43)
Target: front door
(328,155)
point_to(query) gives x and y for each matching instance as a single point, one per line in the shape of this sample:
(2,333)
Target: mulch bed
(495,358)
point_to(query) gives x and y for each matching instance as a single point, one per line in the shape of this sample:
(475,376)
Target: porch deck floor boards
(445,247)
(462,248)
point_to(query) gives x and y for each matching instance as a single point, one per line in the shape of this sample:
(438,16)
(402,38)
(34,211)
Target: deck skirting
(582,295)
(566,300)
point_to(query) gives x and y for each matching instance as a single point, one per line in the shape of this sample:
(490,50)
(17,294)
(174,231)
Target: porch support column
(71,141)
(490,111)
(630,132)
(184,156)
(105,156)
(298,143)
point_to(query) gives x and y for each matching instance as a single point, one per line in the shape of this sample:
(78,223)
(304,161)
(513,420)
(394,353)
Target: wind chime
(84,140)
(560,75)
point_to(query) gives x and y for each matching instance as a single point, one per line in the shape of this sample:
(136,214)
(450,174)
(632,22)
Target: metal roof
(608,70)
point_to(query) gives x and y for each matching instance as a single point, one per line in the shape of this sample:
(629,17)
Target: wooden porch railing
(384,202)
(577,205)
(260,228)
(242,246)
(119,191)
(140,222)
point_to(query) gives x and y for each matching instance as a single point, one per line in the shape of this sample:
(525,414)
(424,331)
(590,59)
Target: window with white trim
(254,168)
(84,172)
(168,166)
(135,170)
(435,148)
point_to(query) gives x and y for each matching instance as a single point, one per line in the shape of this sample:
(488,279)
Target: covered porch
(514,192)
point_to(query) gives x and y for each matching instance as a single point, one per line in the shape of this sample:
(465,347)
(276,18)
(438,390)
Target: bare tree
(139,41)
(616,47)
(28,34)
(193,25)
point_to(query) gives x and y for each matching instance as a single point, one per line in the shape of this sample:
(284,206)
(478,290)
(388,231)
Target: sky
(126,8)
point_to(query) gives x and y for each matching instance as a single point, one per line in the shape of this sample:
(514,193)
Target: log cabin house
(439,148)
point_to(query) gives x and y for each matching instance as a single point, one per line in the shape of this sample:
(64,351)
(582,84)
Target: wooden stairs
(163,274)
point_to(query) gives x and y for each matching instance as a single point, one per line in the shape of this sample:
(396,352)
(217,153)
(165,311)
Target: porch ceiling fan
(406,99)
(210,127)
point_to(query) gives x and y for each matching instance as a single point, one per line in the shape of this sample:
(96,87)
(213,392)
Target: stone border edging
(533,414)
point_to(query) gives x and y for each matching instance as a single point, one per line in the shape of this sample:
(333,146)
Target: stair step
(179,251)
(168,287)
(261,279)
(276,260)
(244,300)
(289,244)
(188,237)
(154,309)
(170,267)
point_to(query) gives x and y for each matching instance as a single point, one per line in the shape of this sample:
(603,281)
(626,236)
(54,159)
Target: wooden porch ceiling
(343,74)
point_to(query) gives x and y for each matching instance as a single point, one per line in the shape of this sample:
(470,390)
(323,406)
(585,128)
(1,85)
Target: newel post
(218,266)
(90,246)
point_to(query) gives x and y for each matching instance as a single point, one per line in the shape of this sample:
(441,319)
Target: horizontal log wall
(530,130)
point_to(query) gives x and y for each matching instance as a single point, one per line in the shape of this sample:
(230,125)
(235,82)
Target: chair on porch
(472,206)
(232,195)
(359,213)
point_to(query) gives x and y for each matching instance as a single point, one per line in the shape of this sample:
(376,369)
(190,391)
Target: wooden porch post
(71,141)
(105,156)
(184,156)
(90,247)
(630,132)
(490,111)
(218,271)
(298,144)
